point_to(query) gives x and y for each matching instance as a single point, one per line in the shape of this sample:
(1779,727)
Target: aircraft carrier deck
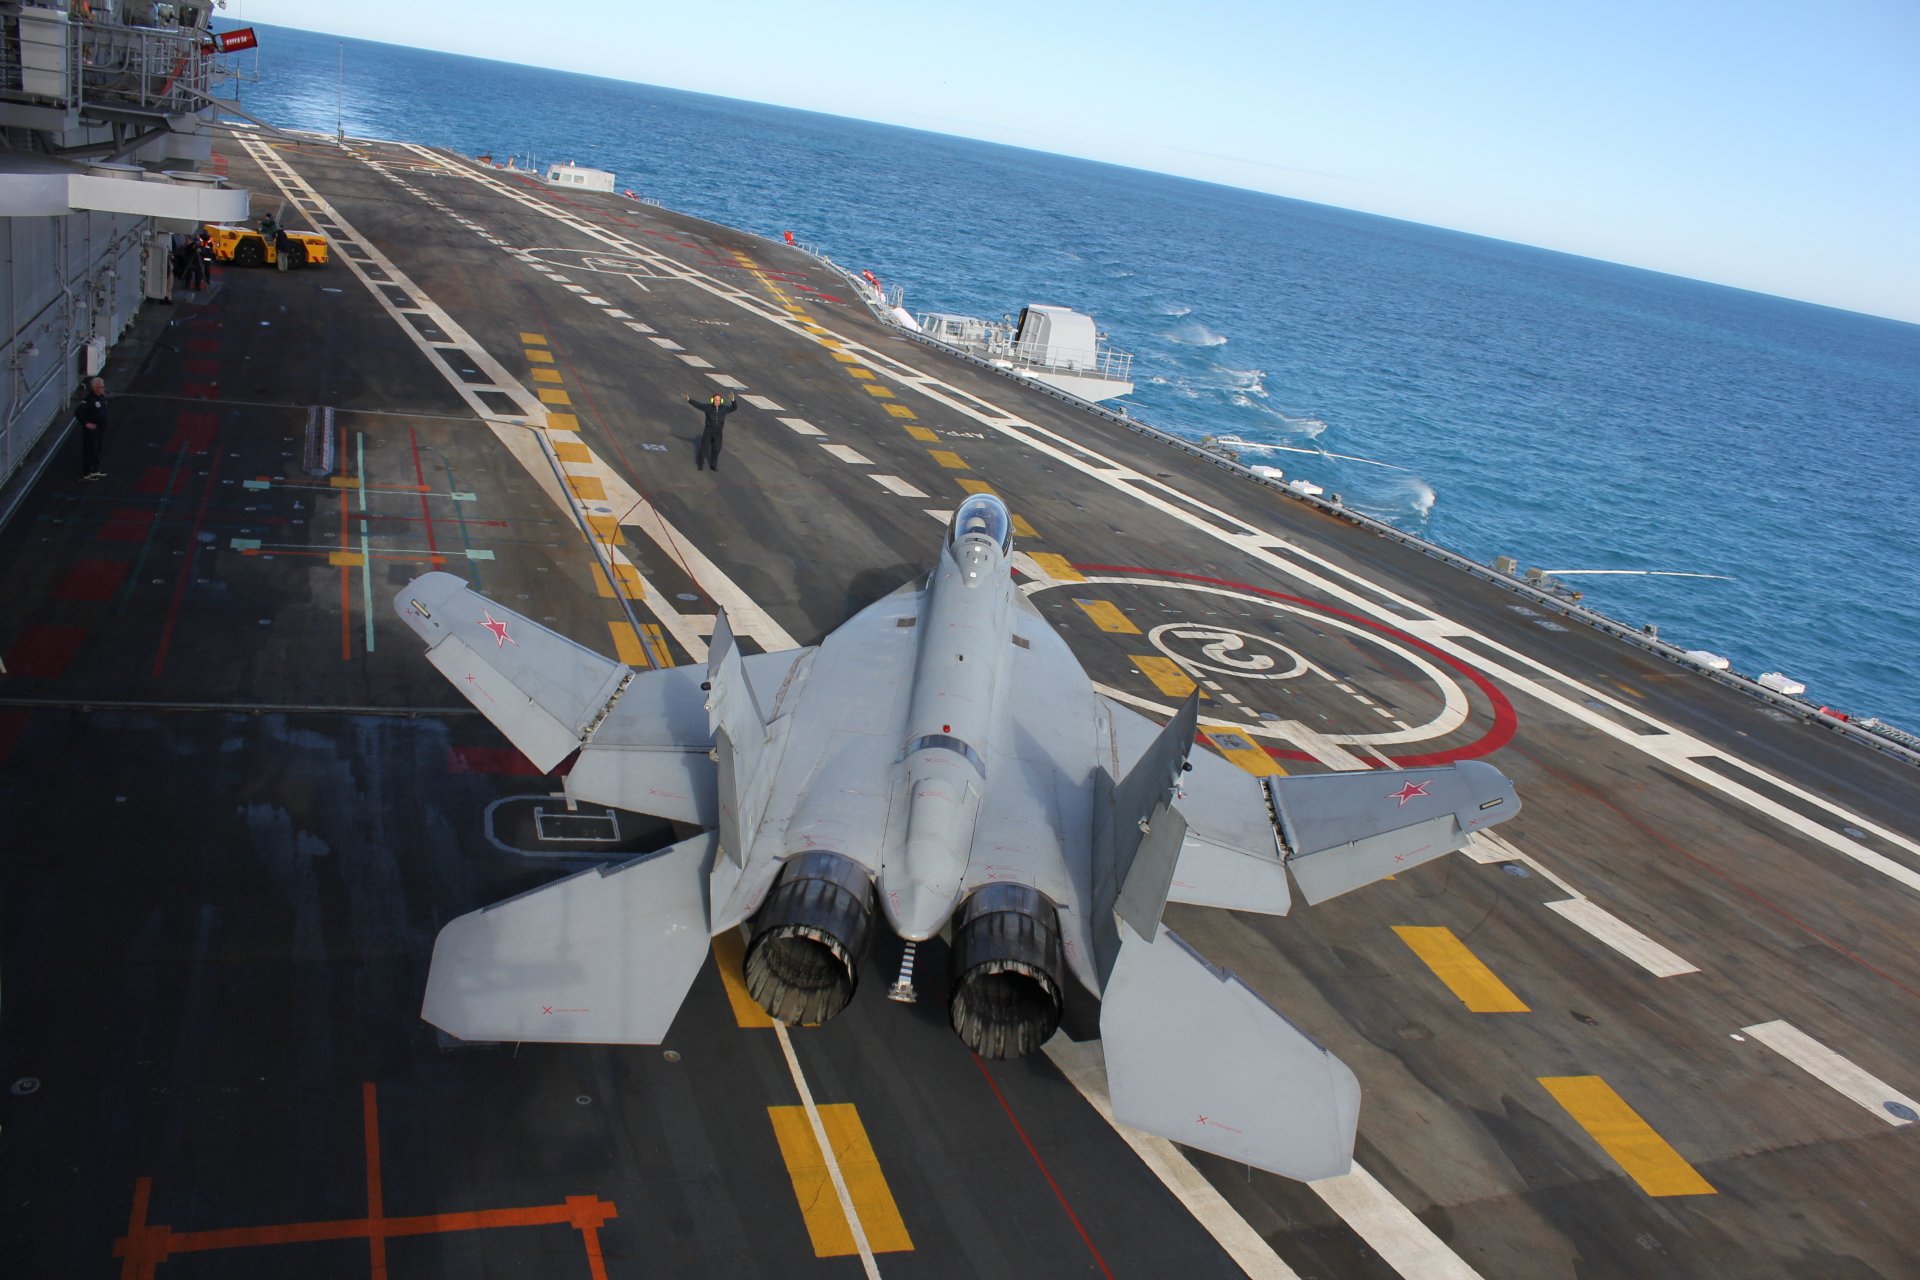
(1661,1024)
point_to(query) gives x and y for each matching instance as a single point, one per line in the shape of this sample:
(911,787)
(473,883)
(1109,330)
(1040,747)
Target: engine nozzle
(1006,997)
(808,938)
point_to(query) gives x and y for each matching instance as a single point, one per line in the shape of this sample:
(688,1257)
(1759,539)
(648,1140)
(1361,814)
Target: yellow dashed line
(899,411)
(534,339)
(626,645)
(1055,567)
(570,452)
(606,529)
(587,488)
(626,575)
(730,956)
(1646,1157)
(844,358)
(546,375)
(539,357)
(1460,969)
(827,1225)
(948,459)
(1021,529)
(921,433)
(856,371)
(551,396)
(346,559)
(345,482)
(877,391)
(1244,753)
(562,422)
(973,486)
(656,645)
(1166,675)
(1107,616)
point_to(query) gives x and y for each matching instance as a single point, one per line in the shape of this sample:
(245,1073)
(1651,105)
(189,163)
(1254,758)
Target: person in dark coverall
(205,247)
(93,428)
(716,408)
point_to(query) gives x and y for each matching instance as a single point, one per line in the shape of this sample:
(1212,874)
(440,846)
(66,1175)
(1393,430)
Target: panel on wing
(1193,1054)
(602,957)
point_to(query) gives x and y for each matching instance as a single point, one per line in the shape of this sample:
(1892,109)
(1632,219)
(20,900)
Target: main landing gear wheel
(248,253)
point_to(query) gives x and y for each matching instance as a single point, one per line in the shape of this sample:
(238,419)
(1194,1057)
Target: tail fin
(1137,838)
(739,742)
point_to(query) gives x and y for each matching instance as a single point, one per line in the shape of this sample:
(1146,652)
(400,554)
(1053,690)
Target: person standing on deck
(716,408)
(93,428)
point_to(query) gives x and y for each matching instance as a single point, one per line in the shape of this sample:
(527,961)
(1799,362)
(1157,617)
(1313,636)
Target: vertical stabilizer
(1137,838)
(740,741)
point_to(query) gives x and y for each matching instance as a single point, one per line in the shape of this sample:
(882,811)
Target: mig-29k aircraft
(940,764)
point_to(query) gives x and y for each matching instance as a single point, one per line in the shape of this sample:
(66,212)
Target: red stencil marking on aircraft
(1407,793)
(499,629)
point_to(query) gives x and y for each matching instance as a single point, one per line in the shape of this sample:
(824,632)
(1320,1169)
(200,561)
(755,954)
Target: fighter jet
(940,765)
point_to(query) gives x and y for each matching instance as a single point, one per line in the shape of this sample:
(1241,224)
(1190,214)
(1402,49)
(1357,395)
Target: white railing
(46,59)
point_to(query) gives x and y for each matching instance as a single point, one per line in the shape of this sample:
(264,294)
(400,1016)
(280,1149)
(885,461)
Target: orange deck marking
(146,1245)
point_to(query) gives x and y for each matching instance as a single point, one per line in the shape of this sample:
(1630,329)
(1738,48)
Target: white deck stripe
(1622,937)
(894,484)
(761,402)
(801,425)
(695,361)
(1403,1241)
(1832,1070)
(846,454)
(727,380)
(665,344)
(1086,1070)
(839,1180)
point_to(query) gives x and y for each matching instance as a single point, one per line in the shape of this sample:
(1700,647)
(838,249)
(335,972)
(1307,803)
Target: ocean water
(1575,414)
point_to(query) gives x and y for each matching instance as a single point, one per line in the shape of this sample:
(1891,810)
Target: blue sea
(1574,414)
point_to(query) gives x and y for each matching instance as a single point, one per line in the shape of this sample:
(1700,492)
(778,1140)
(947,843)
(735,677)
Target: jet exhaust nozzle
(808,938)
(1006,996)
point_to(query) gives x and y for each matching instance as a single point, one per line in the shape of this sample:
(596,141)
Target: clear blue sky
(1769,145)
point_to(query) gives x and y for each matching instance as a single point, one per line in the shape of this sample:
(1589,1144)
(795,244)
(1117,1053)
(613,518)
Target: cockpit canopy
(982,515)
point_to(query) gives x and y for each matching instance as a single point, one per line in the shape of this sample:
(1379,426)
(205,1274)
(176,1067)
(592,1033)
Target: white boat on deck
(1055,345)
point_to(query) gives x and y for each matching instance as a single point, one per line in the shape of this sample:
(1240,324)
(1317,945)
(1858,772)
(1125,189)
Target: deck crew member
(93,428)
(716,408)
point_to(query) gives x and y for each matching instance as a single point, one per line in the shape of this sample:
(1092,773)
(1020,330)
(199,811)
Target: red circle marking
(1498,735)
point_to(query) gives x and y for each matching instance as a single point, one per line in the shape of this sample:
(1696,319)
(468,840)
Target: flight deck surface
(1661,1023)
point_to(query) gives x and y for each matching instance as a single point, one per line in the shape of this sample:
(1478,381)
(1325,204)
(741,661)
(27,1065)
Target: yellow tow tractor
(253,246)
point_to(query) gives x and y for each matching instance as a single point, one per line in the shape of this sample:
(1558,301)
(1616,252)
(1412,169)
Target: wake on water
(1195,334)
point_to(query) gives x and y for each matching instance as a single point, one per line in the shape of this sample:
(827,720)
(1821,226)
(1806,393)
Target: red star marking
(1407,793)
(499,629)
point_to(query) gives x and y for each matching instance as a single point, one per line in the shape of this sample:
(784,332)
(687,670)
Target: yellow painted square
(1165,674)
(877,391)
(899,411)
(729,956)
(570,452)
(626,645)
(534,339)
(1107,616)
(973,486)
(948,459)
(606,530)
(1460,969)
(537,356)
(826,1222)
(346,559)
(562,422)
(844,358)
(549,395)
(629,579)
(546,375)
(1021,529)
(1647,1158)
(1243,752)
(587,488)
(857,372)
(656,645)
(1055,567)
(920,433)
(344,482)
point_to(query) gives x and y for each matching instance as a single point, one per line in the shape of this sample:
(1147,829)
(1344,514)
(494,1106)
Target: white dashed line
(801,425)
(894,484)
(728,381)
(761,402)
(596,300)
(1636,946)
(637,327)
(665,344)
(1834,1071)
(619,315)
(696,362)
(845,454)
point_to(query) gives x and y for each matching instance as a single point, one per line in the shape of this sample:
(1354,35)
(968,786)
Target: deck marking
(1055,567)
(1644,1155)
(1403,1242)
(728,381)
(547,375)
(801,425)
(550,396)
(1165,674)
(894,484)
(1040,1164)
(626,644)
(877,391)
(761,402)
(846,454)
(1243,752)
(1107,616)
(1622,937)
(1836,1072)
(827,1155)
(827,1228)
(923,435)
(1460,969)
(537,356)
(695,361)
(949,459)
(973,486)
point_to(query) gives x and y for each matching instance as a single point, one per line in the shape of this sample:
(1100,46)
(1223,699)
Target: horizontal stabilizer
(602,957)
(1344,830)
(1194,1055)
(542,690)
